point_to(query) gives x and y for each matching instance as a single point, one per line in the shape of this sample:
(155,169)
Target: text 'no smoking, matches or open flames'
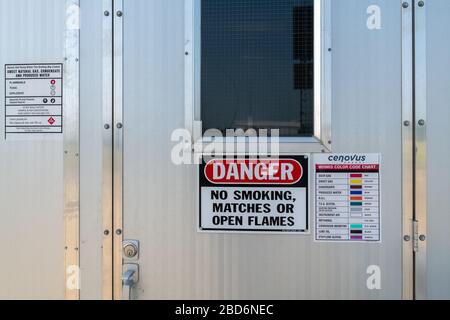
(254,195)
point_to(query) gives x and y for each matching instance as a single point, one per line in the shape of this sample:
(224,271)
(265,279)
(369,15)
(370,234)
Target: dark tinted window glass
(257,65)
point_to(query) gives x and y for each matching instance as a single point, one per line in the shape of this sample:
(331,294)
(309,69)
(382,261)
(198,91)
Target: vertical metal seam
(118,147)
(72,151)
(107,153)
(407,152)
(420,141)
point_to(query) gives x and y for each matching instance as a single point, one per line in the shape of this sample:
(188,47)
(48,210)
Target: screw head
(407,238)
(421,4)
(405,5)
(422,237)
(119,125)
(407,123)
(421,123)
(119,14)
(118,232)
(106,13)
(106,232)
(107,126)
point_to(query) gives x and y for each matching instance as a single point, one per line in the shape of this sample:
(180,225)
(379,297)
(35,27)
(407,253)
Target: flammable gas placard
(33,101)
(253,195)
(347,197)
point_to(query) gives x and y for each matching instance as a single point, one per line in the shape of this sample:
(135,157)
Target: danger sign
(254,195)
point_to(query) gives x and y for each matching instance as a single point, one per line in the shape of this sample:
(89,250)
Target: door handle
(130,277)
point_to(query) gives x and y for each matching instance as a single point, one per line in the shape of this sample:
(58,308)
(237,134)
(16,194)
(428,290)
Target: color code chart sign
(347,200)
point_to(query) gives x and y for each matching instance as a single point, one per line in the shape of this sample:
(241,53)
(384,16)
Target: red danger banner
(254,171)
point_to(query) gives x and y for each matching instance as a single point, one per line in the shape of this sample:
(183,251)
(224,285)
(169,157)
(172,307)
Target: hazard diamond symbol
(51,121)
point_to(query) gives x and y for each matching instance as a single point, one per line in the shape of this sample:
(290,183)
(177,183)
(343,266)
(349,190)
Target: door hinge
(416,236)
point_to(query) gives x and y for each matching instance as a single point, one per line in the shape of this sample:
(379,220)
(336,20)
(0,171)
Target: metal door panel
(31,179)
(438,149)
(159,202)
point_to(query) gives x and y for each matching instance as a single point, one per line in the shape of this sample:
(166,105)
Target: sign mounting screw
(119,14)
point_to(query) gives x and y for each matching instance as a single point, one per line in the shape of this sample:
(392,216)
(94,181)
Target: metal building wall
(437,81)
(31,179)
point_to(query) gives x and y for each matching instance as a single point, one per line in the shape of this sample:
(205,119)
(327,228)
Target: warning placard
(33,99)
(347,197)
(254,195)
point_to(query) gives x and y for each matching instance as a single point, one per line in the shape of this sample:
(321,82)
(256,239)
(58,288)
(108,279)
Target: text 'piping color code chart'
(347,201)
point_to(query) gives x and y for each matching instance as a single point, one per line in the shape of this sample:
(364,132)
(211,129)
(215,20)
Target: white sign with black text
(347,197)
(254,195)
(33,101)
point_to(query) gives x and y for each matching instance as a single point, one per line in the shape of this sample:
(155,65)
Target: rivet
(421,123)
(422,237)
(106,13)
(107,126)
(119,125)
(118,232)
(407,238)
(405,5)
(407,123)
(421,4)
(106,232)
(119,14)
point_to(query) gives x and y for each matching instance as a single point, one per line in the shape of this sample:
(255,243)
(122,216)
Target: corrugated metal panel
(31,180)
(438,79)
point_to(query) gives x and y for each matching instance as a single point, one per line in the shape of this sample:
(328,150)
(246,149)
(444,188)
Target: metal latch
(130,275)
(130,278)
(416,236)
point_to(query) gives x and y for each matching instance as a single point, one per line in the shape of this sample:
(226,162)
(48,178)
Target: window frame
(321,140)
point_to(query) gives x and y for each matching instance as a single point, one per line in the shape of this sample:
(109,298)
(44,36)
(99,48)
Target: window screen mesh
(257,65)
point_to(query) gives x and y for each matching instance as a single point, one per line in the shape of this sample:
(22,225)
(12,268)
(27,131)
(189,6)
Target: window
(260,64)
(257,65)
